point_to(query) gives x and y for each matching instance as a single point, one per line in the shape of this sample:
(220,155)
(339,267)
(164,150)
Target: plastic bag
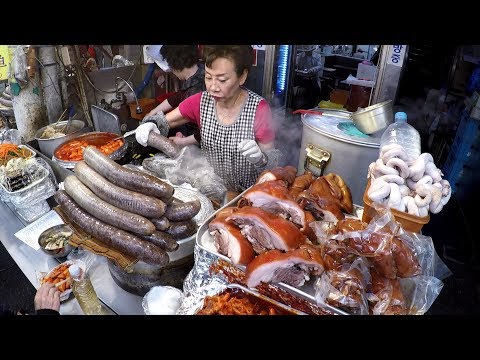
(19,66)
(385,296)
(10,136)
(346,288)
(420,292)
(193,168)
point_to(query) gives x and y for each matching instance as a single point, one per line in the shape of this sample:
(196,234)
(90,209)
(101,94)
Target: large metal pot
(332,144)
(47,146)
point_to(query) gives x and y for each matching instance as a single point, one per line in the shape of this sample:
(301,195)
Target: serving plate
(205,241)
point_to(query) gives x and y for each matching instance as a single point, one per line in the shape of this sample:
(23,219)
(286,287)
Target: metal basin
(374,118)
(47,146)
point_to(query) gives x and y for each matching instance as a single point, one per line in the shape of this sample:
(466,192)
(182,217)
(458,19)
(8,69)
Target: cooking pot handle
(316,157)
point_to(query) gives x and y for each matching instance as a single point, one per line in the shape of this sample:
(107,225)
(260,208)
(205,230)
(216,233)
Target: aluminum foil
(33,212)
(199,283)
(40,184)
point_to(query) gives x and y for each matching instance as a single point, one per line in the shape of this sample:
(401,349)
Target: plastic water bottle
(84,292)
(402,133)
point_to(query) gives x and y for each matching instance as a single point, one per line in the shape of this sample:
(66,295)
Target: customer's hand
(251,151)
(47,297)
(141,135)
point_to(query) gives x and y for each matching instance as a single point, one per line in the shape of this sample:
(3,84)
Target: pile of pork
(289,229)
(126,209)
(412,186)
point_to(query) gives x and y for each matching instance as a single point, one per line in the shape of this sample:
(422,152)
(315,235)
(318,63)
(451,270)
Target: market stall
(338,234)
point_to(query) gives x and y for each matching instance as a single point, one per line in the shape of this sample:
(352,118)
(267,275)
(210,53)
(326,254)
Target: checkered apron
(219,142)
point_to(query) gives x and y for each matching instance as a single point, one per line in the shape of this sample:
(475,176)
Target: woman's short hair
(180,57)
(241,55)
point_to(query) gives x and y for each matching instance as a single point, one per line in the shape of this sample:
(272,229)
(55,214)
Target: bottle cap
(75,270)
(400,116)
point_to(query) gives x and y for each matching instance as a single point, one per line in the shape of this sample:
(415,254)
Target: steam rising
(288,136)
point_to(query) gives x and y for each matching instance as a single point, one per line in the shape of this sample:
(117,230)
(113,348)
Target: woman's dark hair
(241,55)
(180,57)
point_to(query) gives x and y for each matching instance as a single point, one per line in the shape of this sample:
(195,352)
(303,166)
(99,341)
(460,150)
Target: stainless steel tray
(205,241)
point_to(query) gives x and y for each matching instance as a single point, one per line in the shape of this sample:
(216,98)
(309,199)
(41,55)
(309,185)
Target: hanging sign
(396,54)
(4,62)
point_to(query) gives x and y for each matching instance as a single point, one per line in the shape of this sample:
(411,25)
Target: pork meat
(292,267)
(265,230)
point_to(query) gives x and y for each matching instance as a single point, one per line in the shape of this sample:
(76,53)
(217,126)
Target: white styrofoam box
(366,72)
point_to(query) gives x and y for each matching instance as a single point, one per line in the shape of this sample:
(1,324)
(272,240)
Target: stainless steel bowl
(92,138)
(47,146)
(56,253)
(374,118)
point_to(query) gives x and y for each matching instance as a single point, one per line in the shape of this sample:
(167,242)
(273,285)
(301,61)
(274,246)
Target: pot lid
(341,127)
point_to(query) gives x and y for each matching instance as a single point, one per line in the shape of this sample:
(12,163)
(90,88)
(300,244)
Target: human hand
(251,151)
(47,297)
(141,135)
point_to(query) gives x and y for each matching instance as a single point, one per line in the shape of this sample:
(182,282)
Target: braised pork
(229,241)
(292,267)
(265,230)
(273,196)
(286,174)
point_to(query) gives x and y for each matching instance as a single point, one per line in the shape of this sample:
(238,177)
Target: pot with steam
(49,139)
(332,144)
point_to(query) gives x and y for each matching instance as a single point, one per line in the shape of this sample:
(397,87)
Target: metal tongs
(128,133)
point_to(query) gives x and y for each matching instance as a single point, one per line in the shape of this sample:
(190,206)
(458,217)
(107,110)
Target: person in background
(308,70)
(46,302)
(183,62)
(237,134)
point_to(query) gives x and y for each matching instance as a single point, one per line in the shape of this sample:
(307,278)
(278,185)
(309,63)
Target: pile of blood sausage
(289,228)
(128,210)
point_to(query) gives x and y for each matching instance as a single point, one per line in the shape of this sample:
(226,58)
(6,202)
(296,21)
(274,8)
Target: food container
(40,188)
(256,303)
(47,146)
(29,153)
(94,138)
(306,292)
(374,118)
(409,222)
(60,276)
(62,232)
(332,144)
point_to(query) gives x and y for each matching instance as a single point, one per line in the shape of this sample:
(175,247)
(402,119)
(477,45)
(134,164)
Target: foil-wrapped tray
(262,304)
(205,241)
